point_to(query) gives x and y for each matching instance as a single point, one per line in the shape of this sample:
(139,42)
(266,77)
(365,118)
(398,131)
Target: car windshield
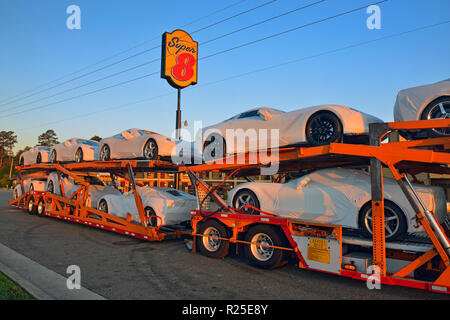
(144,132)
(92,180)
(87,142)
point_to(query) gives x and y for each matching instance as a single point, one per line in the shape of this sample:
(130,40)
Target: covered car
(339,197)
(35,155)
(95,190)
(74,150)
(318,125)
(164,206)
(426,102)
(29,185)
(136,144)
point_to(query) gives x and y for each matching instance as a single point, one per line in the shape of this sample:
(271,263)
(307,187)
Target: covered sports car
(338,197)
(29,185)
(96,189)
(319,125)
(164,206)
(136,144)
(35,155)
(424,103)
(74,149)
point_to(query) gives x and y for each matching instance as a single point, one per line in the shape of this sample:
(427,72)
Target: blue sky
(38,48)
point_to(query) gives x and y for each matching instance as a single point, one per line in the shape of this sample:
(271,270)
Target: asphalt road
(118,267)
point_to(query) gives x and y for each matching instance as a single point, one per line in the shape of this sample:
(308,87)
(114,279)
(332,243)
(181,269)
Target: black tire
(105,153)
(103,206)
(79,155)
(53,156)
(212,145)
(395,229)
(323,128)
(40,210)
(433,111)
(265,257)
(213,248)
(150,213)
(150,151)
(31,208)
(50,187)
(39,158)
(246,196)
(21,162)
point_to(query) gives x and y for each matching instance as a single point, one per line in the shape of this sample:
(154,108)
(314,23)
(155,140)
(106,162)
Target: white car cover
(66,151)
(29,184)
(30,157)
(170,205)
(95,192)
(291,126)
(130,144)
(335,197)
(411,102)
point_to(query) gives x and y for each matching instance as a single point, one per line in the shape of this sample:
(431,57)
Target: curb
(37,280)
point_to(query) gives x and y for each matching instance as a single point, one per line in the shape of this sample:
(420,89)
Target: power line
(207,57)
(134,55)
(154,60)
(359,44)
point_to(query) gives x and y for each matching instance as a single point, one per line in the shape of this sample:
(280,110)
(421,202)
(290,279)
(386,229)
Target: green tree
(48,139)
(96,138)
(7,142)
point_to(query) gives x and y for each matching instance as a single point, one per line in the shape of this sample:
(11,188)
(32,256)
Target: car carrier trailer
(269,240)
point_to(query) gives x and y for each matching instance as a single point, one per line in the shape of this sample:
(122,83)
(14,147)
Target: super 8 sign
(179,59)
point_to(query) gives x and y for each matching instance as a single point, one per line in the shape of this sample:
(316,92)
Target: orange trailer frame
(433,156)
(73,208)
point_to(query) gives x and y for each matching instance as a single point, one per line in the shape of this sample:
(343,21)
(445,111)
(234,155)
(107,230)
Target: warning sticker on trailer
(318,251)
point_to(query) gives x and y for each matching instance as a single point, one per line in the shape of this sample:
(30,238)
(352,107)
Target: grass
(11,291)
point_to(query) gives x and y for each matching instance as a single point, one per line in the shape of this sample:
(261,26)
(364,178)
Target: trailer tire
(213,248)
(265,257)
(31,208)
(40,208)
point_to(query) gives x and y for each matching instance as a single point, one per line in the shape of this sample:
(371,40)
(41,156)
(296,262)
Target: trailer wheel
(261,256)
(211,247)
(40,208)
(31,208)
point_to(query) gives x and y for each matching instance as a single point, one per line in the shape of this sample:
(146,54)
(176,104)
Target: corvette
(35,155)
(95,190)
(319,125)
(136,144)
(338,197)
(74,149)
(426,102)
(164,206)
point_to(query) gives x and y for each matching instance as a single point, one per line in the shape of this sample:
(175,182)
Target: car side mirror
(303,183)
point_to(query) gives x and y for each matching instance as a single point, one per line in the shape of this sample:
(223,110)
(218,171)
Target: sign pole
(179,67)
(178,135)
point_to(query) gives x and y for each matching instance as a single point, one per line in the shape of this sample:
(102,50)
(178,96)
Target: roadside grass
(11,291)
